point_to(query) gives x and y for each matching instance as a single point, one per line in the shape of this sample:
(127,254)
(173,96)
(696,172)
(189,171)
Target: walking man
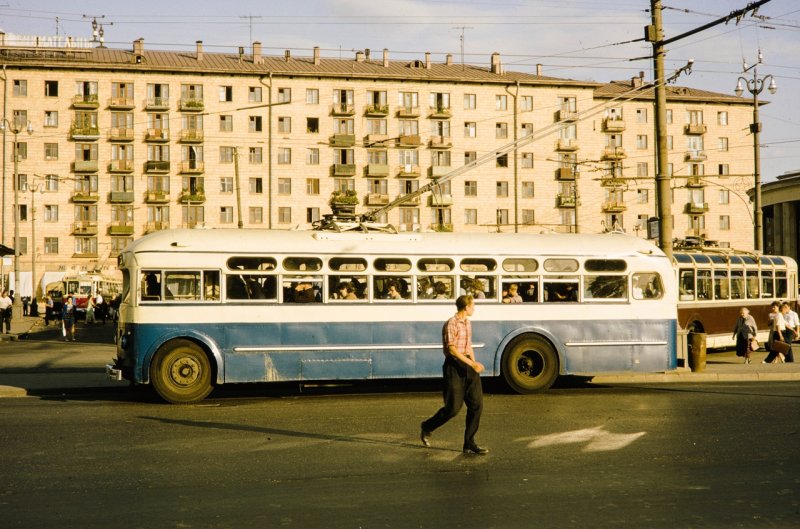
(462,381)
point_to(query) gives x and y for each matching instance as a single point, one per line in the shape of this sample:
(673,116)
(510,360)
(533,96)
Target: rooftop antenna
(97,30)
(461,38)
(251,17)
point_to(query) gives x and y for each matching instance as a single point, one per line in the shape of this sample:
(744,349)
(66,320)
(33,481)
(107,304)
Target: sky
(573,39)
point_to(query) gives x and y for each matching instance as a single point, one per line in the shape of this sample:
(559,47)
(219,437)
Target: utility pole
(240,222)
(655,34)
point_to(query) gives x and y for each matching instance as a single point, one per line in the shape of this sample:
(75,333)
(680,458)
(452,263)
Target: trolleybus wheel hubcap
(185,371)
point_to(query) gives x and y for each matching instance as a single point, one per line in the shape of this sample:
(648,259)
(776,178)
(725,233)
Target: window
(642,196)
(567,105)
(256,215)
(343,185)
(724,196)
(51,88)
(469,101)
(226,215)
(527,189)
(312,156)
(376,126)
(51,213)
(526,130)
(284,186)
(51,245)
(312,215)
(20,88)
(528,217)
(284,95)
(50,151)
(670,142)
(470,156)
(724,222)
(527,160)
(255,155)
(408,101)
(257,185)
(226,94)
(440,101)
(502,160)
(641,141)
(722,117)
(284,215)
(694,117)
(226,123)
(723,144)
(502,217)
(669,116)
(642,169)
(502,189)
(344,126)
(226,155)
(51,182)
(226,184)
(312,186)
(471,188)
(312,96)
(284,155)
(440,158)
(723,169)
(51,118)
(312,125)
(254,94)
(641,115)
(470,129)
(471,216)
(501,130)
(501,102)
(526,103)
(255,124)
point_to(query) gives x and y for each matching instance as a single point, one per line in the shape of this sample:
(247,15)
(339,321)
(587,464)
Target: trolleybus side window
(752,284)
(392,281)
(191,285)
(704,284)
(253,282)
(613,287)
(476,283)
(434,282)
(561,288)
(767,287)
(686,284)
(351,282)
(527,285)
(150,289)
(781,284)
(302,288)
(647,285)
(737,284)
(721,288)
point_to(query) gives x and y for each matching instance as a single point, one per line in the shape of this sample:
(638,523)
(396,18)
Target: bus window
(560,289)
(527,289)
(752,284)
(392,264)
(647,285)
(347,264)
(737,284)
(704,284)
(520,265)
(211,285)
(605,265)
(392,287)
(150,289)
(767,288)
(182,285)
(252,263)
(781,284)
(605,287)
(478,265)
(561,265)
(479,287)
(721,290)
(686,281)
(348,288)
(435,287)
(250,286)
(302,289)
(435,264)
(302,264)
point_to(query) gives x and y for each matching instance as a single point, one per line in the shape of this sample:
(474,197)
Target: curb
(12,392)
(680,378)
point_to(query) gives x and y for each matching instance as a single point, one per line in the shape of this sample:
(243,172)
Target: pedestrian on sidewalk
(792,327)
(48,310)
(745,332)
(462,381)
(25,300)
(6,304)
(68,320)
(777,325)
(90,308)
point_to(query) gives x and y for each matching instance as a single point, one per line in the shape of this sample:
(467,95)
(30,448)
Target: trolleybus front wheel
(530,364)
(181,372)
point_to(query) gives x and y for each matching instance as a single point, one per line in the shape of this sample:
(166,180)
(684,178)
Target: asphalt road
(665,456)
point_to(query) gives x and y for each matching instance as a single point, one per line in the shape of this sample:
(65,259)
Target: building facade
(780,201)
(125,142)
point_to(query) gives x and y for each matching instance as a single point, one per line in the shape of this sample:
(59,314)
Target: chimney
(316,55)
(496,66)
(385,57)
(539,69)
(241,53)
(287,55)
(257,59)
(199,53)
(636,82)
(448,60)
(359,56)
(427,60)
(366,54)
(138,46)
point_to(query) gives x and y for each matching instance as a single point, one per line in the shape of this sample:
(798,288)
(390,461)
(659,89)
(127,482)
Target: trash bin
(697,351)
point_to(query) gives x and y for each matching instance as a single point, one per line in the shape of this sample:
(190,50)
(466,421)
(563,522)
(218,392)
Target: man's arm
(468,359)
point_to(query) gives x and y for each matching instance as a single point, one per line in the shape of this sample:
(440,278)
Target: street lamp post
(15,129)
(755,86)
(34,308)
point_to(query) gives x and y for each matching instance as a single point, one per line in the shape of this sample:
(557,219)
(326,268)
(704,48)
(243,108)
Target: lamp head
(739,90)
(30,128)
(772,86)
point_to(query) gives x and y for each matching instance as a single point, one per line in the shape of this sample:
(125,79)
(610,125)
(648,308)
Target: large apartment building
(125,142)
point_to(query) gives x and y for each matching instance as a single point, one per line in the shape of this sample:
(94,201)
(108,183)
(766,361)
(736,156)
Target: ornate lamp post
(755,86)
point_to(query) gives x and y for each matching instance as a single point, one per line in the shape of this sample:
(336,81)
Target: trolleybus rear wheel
(530,364)
(181,372)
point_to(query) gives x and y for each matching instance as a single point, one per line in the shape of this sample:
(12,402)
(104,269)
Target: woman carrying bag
(745,334)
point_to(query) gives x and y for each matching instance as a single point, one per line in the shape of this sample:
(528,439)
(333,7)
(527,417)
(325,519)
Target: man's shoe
(475,449)
(424,436)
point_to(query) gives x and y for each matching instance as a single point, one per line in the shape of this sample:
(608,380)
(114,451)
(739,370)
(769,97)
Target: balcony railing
(408,112)
(695,128)
(120,166)
(409,140)
(343,140)
(696,156)
(81,196)
(437,171)
(344,169)
(696,208)
(157,135)
(567,144)
(86,227)
(156,197)
(120,134)
(695,181)
(84,133)
(614,206)
(343,109)
(121,103)
(441,142)
(377,169)
(86,101)
(440,200)
(376,199)
(187,196)
(565,201)
(85,166)
(565,173)
(121,197)
(376,140)
(191,136)
(376,110)
(612,181)
(613,125)
(567,115)
(192,167)
(440,112)
(156,103)
(413,201)
(120,228)
(191,104)
(156,166)
(613,153)
(408,170)
(150,227)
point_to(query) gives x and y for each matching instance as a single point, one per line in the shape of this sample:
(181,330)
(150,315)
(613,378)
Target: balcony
(343,109)
(120,166)
(85,197)
(567,115)
(376,199)
(89,101)
(438,171)
(344,169)
(565,201)
(150,227)
(84,133)
(156,197)
(695,128)
(439,112)
(413,201)
(120,228)
(197,196)
(565,173)
(156,166)
(377,169)
(695,232)
(408,170)
(614,206)
(408,112)
(156,103)
(696,156)
(192,167)
(409,140)
(120,134)
(157,135)
(85,227)
(376,110)
(121,197)
(85,166)
(437,200)
(567,144)
(343,140)
(375,140)
(613,125)
(612,181)
(191,136)
(121,103)
(696,208)
(441,142)
(613,153)
(695,181)
(190,104)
